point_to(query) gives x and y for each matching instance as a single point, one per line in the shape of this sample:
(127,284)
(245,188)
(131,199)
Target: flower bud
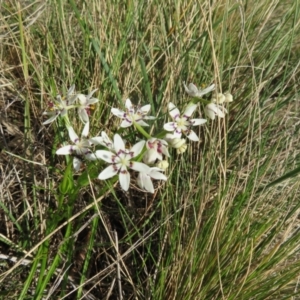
(228,97)
(182,149)
(150,157)
(163,165)
(219,98)
(177,143)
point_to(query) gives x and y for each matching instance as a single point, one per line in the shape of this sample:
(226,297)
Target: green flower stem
(197,100)
(141,130)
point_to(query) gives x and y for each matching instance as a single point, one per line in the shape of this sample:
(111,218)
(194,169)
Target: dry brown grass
(133,232)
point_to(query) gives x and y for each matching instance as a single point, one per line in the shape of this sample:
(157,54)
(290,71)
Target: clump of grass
(225,225)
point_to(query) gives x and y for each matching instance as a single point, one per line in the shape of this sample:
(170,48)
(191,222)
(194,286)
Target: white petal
(164,142)
(205,91)
(170,126)
(149,118)
(158,175)
(213,110)
(186,88)
(64,150)
(86,129)
(189,110)
(197,122)
(83,115)
(128,104)
(209,113)
(169,137)
(82,99)
(97,140)
(150,156)
(105,155)
(90,156)
(108,172)
(92,101)
(165,151)
(107,142)
(63,112)
(72,134)
(145,109)
(220,113)
(142,123)
(144,182)
(71,99)
(125,124)
(60,100)
(105,137)
(193,88)
(118,143)
(142,177)
(124,178)
(193,136)
(49,113)
(117,112)
(51,119)
(71,89)
(155,169)
(173,110)
(177,133)
(137,148)
(91,94)
(140,167)
(76,163)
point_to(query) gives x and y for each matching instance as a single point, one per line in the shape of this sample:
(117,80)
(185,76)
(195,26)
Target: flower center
(182,123)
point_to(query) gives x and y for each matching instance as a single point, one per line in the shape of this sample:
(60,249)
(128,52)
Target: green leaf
(91,172)
(67,183)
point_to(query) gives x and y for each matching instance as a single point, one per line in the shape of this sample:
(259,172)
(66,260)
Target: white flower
(144,179)
(193,91)
(212,110)
(60,106)
(84,105)
(177,143)
(81,147)
(155,149)
(183,124)
(103,140)
(130,116)
(121,161)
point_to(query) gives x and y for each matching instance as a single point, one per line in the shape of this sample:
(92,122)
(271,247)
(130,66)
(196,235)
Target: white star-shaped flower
(183,124)
(103,140)
(193,91)
(130,116)
(60,106)
(121,160)
(84,105)
(213,110)
(81,147)
(155,149)
(144,179)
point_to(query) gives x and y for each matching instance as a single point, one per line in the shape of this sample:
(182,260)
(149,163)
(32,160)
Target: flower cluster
(147,159)
(214,108)
(61,105)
